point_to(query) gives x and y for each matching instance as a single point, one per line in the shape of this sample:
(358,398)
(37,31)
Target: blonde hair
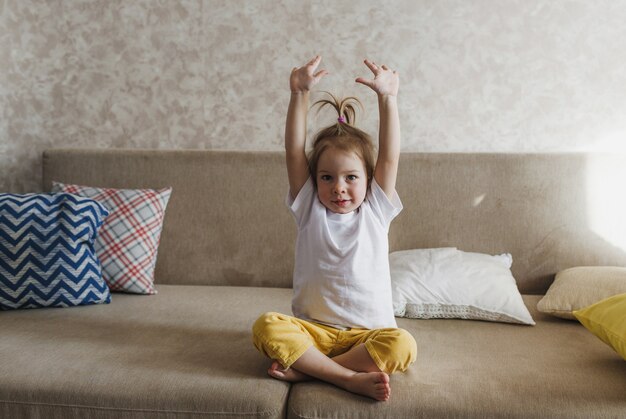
(343,136)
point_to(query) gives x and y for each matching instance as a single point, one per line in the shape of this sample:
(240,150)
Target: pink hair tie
(340,119)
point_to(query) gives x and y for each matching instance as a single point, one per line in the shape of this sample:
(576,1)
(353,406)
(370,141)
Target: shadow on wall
(550,211)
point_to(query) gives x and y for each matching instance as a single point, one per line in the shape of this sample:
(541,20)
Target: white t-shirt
(343,279)
(342,227)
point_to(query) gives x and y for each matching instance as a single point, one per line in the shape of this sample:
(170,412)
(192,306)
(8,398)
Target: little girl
(344,331)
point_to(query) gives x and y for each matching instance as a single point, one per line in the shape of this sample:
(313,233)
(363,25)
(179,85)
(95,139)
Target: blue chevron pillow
(47,256)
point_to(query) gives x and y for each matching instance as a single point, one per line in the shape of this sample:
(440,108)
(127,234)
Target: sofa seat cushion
(483,369)
(185,352)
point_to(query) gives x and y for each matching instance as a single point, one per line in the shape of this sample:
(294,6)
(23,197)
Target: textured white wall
(480,75)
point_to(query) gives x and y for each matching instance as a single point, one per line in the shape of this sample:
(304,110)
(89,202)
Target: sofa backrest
(227,224)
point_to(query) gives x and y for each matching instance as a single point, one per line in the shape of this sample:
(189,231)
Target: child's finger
(314,62)
(371,66)
(320,74)
(366,82)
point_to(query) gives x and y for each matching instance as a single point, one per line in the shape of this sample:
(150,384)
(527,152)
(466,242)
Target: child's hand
(386,81)
(303,78)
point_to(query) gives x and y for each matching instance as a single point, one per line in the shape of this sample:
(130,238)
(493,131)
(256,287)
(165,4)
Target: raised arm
(386,83)
(301,81)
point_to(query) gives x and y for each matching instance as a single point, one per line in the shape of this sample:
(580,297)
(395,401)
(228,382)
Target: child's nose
(339,187)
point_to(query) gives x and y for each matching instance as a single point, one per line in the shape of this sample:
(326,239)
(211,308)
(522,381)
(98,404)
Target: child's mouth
(342,202)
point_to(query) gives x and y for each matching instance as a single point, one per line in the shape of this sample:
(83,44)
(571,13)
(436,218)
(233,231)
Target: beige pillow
(577,288)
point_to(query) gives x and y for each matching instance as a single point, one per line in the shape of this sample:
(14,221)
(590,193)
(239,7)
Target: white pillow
(449,283)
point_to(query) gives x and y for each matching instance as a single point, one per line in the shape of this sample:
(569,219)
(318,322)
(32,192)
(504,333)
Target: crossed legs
(299,352)
(354,371)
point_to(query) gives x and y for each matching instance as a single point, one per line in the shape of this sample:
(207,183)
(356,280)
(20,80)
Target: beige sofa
(226,256)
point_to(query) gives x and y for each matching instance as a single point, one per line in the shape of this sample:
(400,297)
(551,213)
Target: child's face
(341,180)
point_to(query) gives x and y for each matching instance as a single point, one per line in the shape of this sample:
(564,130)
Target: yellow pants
(285,338)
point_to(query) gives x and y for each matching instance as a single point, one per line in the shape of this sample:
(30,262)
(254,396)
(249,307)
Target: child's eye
(325,178)
(352,177)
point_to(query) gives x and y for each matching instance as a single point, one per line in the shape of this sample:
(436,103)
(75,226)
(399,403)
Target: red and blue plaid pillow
(128,241)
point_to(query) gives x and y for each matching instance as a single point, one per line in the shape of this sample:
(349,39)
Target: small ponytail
(346,107)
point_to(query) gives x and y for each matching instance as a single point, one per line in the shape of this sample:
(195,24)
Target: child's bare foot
(371,384)
(289,374)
